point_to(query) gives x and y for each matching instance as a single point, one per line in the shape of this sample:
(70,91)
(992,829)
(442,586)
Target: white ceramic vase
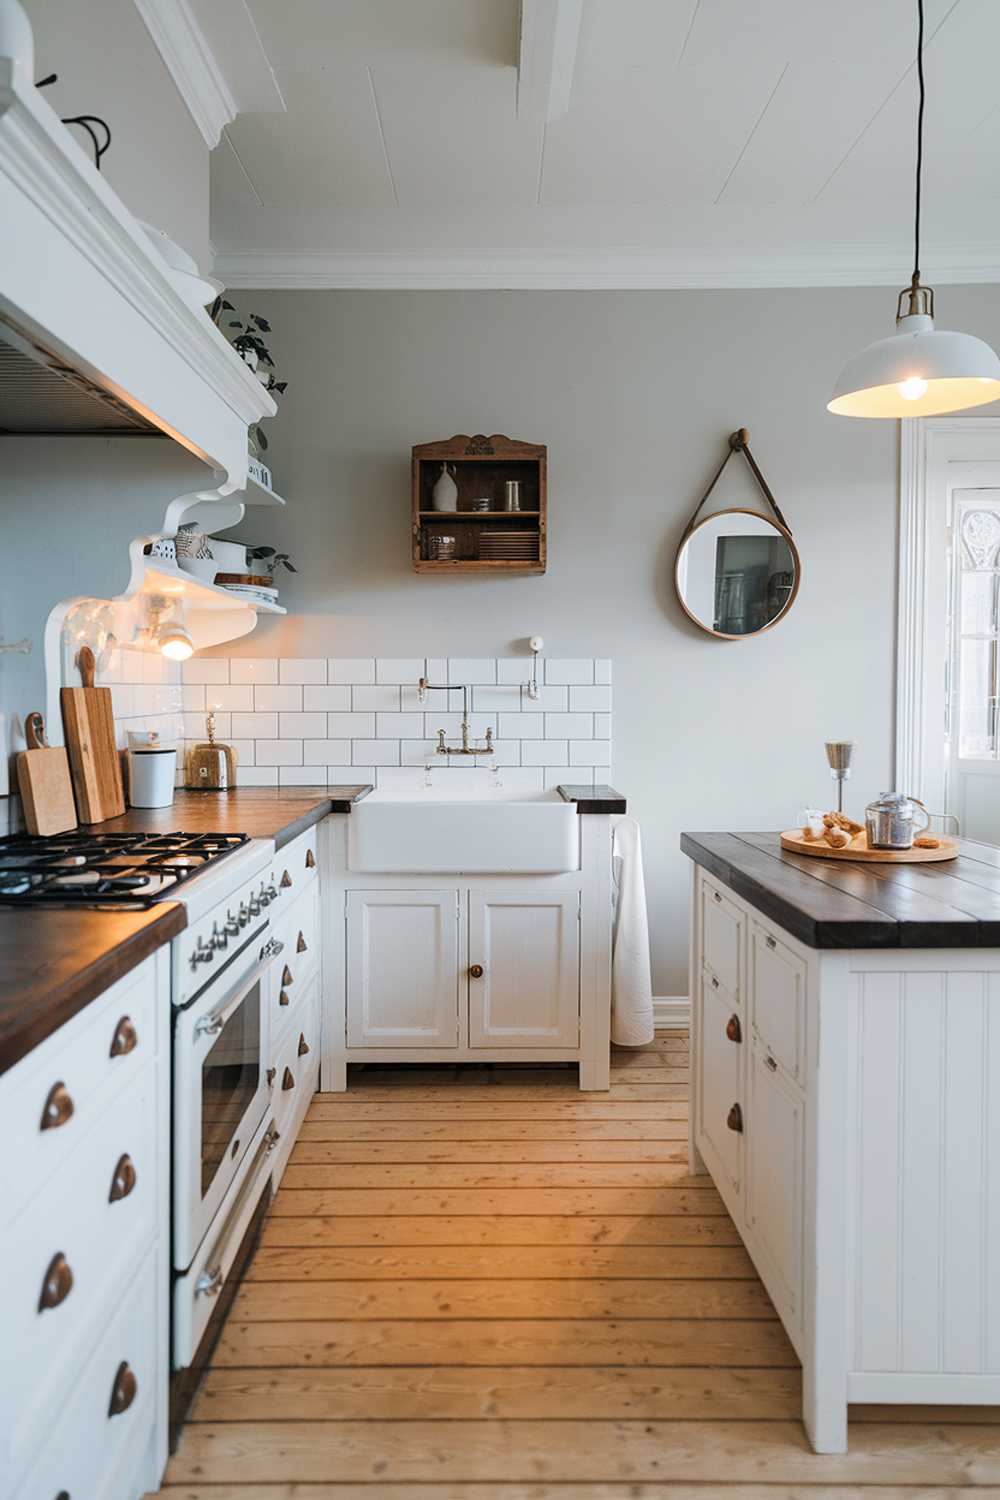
(444,495)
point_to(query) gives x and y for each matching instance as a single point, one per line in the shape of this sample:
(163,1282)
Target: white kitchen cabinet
(524,969)
(774,1182)
(719,1064)
(402,968)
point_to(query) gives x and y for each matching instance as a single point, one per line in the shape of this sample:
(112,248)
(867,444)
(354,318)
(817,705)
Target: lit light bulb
(912,388)
(176,643)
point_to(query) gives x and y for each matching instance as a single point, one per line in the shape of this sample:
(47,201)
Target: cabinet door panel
(528,947)
(402,968)
(778,1006)
(720,1085)
(775,1149)
(722,928)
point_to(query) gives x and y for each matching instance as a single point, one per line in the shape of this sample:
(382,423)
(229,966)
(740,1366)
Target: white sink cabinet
(468,965)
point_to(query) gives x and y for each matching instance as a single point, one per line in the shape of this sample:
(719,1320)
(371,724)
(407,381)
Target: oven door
(221,1094)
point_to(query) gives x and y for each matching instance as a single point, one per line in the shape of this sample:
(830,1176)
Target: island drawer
(723,928)
(778,1000)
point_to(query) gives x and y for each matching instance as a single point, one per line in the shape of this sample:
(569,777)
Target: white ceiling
(706,142)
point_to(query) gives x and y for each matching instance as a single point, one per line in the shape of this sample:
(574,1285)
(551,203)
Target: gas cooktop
(127,871)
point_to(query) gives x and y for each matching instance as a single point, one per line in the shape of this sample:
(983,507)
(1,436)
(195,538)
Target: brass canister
(211,765)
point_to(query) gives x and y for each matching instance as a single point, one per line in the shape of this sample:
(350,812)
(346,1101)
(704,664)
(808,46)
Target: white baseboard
(671,1012)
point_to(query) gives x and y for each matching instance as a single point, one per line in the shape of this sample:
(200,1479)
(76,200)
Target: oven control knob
(203,954)
(232,926)
(272,893)
(253,907)
(244,918)
(219,939)
(263,897)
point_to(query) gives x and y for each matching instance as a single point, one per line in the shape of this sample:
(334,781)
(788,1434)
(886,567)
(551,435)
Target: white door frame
(936,456)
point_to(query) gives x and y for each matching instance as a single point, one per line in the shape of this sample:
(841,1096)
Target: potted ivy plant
(270,560)
(247,338)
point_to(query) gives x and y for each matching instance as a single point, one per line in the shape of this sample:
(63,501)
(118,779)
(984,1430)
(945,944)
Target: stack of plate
(498,544)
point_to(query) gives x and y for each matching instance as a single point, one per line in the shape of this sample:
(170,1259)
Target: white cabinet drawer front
(778,1000)
(720,1091)
(49,1102)
(722,937)
(298,963)
(402,968)
(774,1191)
(71,1253)
(297,865)
(524,969)
(105,1410)
(296,1056)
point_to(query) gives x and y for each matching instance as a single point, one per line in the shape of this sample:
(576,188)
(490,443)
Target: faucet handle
(421,689)
(489,738)
(442,748)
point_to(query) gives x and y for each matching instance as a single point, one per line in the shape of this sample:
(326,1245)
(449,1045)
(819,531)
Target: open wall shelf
(493,541)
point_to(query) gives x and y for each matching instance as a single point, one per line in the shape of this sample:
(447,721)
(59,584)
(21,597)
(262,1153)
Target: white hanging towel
(631,986)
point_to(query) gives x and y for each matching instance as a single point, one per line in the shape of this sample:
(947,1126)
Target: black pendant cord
(920,139)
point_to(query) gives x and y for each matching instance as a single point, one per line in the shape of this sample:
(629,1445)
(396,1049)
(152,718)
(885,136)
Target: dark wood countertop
(593,799)
(829,903)
(280,813)
(53,963)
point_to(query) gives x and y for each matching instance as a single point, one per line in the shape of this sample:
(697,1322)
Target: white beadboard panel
(299,669)
(497,699)
(375,752)
(922,1047)
(302,775)
(351,669)
(384,698)
(522,726)
(337,698)
(209,669)
(467,670)
(602,669)
(326,752)
(514,669)
(544,753)
(255,726)
(877,1214)
(590,753)
(992,1176)
(256,776)
(350,726)
(224,696)
(590,700)
(279,752)
(569,726)
(256,670)
(550,700)
(965,1268)
(451,723)
(576,671)
(302,726)
(396,726)
(193,698)
(273,699)
(350,775)
(399,669)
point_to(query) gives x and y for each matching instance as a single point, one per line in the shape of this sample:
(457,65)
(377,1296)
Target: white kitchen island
(845,1098)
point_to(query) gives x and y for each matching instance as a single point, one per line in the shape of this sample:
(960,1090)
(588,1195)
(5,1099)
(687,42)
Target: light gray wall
(634,393)
(108,65)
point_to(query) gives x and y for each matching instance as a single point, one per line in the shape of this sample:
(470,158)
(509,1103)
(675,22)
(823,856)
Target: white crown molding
(834,265)
(191,63)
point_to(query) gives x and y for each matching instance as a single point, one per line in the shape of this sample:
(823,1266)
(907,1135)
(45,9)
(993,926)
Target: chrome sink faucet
(442,748)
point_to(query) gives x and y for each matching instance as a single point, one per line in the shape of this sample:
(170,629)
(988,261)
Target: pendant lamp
(921,370)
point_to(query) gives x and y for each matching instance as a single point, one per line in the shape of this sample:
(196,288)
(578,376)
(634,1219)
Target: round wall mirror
(737,573)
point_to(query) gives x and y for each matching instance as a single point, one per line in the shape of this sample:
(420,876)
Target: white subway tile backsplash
(569,726)
(299,669)
(590,752)
(602,726)
(442,699)
(405,778)
(193,698)
(351,669)
(549,699)
(384,698)
(602,670)
(205,669)
(505,753)
(256,776)
(326,698)
(417,752)
(302,775)
(576,670)
(279,752)
(271,699)
(195,726)
(544,753)
(522,726)
(325,752)
(255,726)
(568,775)
(350,775)
(350,726)
(222,696)
(301,726)
(513,669)
(590,699)
(399,726)
(437,670)
(244,751)
(376,752)
(466,670)
(521,779)
(400,669)
(451,723)
(497,699)
(255,670)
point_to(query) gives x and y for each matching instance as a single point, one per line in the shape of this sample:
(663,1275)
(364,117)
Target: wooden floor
(487,1286)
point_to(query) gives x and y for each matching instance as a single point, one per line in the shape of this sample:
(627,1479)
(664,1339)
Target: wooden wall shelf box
(481,467)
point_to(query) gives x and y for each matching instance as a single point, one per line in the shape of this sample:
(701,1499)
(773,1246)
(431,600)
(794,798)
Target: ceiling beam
(550,34)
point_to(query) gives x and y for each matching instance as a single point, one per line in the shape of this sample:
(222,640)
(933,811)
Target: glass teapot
(891,821)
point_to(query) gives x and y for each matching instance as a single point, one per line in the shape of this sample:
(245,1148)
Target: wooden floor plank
(500,1130)
(417,1201)
(382,1105)
(486,1152)
(533,1490)
(506,1175)
(509,1229)
(563,1091)
(491,1262)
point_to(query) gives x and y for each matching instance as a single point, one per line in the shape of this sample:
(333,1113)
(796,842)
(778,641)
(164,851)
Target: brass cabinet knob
(288,1081)
(125,1039)
(734,1030)
(734,1119)
(283,998)
(57,1283)
(123,1390)
(310,860)
(286,976)
(271,1075)
(303,1044)
(123,1179)
(57,1109)
(285,880)
(301,946)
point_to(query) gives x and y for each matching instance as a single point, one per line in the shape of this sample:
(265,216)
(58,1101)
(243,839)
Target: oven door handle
(213,1022)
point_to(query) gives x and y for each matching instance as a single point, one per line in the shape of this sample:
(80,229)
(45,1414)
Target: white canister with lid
(152,770)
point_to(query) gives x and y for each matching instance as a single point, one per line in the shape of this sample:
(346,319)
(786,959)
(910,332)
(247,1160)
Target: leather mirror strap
(738,443)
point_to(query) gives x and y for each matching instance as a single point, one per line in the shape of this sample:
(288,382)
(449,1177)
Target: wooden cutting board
(44,783)
(90,740)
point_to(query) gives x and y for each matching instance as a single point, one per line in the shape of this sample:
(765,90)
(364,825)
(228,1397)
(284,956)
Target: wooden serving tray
(858,849)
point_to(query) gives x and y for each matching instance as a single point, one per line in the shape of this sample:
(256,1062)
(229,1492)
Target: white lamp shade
(918,372)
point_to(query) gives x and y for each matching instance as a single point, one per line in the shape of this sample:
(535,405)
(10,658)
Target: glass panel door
(230,1077)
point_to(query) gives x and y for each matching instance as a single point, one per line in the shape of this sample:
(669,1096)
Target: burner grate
(132,870)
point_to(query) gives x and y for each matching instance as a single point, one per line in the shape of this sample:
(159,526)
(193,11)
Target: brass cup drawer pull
(288,1081)
(303,1044)
(770,941)
(770,1063)
(475,971)
(715,983)
(285,881)
(123,1179)
(283,998)
(271,1075)
(734,1031)
(57,1283)
(301,946)
(717,897)
(734,1119)
(125,1039)
(124,1389)
(310,860)
(57,1109)
(287,977)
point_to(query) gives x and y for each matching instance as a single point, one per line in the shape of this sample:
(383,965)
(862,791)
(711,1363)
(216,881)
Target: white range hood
(94,334)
